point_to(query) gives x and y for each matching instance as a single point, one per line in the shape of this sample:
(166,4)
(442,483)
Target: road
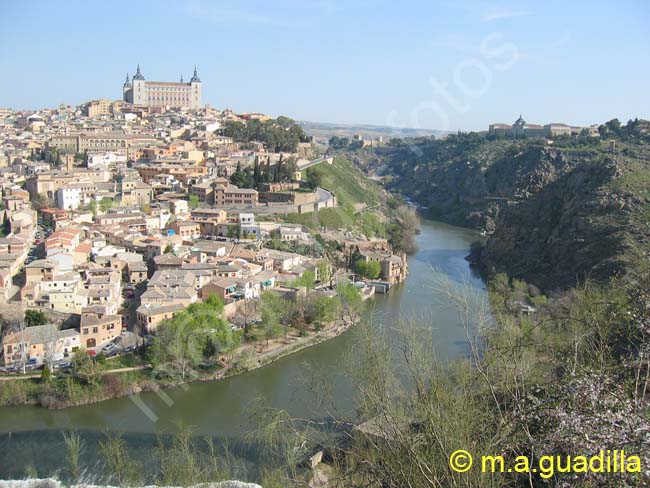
(314,162)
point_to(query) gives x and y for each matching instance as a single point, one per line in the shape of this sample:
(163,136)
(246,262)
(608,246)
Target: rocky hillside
(555,214)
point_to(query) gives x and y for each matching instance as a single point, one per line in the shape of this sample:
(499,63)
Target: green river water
(31,436)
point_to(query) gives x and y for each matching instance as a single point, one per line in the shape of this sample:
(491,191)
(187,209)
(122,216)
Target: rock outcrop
(554,215)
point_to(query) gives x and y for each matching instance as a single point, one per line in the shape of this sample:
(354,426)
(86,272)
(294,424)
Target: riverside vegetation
(197,344)
(561,368)
(558,361)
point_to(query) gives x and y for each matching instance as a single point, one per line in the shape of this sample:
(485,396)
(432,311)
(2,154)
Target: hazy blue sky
(440,65)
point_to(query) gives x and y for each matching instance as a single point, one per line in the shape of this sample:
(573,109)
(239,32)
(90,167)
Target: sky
(430,64)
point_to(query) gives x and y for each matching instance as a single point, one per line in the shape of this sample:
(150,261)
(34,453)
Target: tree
(35,317)
(256,173)
(180,343)
(234,231)
(124,470)
(210,348)
(273,308)
(6,224)
(169,248)
(242,179)
(177,347)
(92,206)
(267,170)
(308,280)
(614,126)
(349,296)
(270,324)
(279,135)
(324,270)
(326,309)
(278,169)
(105,204)
(314,177)
(368,269)
(41,201)
(74,446)
(193,201)
(46,374)
(84,369)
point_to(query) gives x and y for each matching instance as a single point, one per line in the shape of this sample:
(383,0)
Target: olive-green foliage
(307,280)
(279,135)
(193,201)
(368,269)
(188,461)
(35,317)
(74,446)
(179,343)
(273,308)
(105,204)
(349,297)
(121,468)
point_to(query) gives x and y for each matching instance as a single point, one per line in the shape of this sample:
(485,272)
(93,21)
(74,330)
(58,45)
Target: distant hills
(322,131)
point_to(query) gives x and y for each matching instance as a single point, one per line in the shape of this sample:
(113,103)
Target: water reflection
(221,408)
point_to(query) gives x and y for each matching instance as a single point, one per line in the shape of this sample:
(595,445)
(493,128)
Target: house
(224,288)
(149,316)
(249,229)
(171,286)
(394,269)
(41,270)
(39,344)
(97,328)
(226,195)
(54,217)
(187,229)
(284,261)
(64,240)
(136,271)
(167,261)
(293,233)
(64,294)
(207,249)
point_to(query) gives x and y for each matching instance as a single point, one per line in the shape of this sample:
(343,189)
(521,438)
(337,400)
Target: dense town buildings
(116,215)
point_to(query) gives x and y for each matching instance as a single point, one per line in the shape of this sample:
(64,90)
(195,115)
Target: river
(31,436)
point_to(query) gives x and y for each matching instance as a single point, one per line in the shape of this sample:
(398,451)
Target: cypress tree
(256,173)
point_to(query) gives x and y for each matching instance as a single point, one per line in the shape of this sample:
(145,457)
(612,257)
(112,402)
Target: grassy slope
(350,186)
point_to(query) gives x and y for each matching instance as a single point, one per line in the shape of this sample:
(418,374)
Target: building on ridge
(139,91)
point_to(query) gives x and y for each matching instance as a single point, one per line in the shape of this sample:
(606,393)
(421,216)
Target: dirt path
(116,370)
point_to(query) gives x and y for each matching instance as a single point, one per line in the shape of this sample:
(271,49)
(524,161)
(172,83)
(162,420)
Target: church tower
(139,92)
(127,90)
(195,97)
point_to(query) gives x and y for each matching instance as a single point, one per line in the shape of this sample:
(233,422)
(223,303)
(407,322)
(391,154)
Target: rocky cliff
(555,214)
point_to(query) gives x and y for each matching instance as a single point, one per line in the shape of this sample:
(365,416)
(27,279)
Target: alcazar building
(163,93)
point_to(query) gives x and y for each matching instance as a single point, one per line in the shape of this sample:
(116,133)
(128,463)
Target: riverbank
(31,435)
(32,390)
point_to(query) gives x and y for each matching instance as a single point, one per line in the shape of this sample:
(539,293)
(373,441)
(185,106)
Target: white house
(105,160)
(68,198)
(248,226)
